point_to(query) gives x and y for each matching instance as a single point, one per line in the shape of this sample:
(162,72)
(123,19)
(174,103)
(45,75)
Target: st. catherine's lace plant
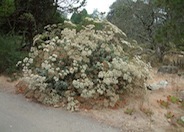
(86,60)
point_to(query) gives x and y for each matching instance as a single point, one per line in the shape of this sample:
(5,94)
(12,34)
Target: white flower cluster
(72,104)
(18,63)
(25,64)
(28,61)
(33,52)
(69,33)
(52,99)
(119,64)
(53,57)
(50,45)
(110,77)
(36,82)
(46,65)
(81,84)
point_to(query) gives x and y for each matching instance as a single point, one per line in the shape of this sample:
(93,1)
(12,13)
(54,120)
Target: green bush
(9,53)
(78,66)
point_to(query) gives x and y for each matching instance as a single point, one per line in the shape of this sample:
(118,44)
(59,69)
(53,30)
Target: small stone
(168,69)
(182,119)
(163,83)
(169,120)
(181,94)
(158,85)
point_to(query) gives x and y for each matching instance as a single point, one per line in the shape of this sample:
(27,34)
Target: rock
(181,95)
(168,69)
(169,120)
(156,86)
(182,119)
(163,83)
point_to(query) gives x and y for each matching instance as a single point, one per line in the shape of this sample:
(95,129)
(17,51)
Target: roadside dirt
(148,115)
(140,115)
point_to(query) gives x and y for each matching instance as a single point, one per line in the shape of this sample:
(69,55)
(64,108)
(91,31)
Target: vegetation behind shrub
(9,53)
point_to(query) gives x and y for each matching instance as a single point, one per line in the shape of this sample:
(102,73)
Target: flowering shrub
(90,61)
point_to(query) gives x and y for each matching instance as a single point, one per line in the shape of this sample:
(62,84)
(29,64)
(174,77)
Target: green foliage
(78,17)
(169,115)
(80,21)
(173,99)
(97,25)
(57,18)
(28,17)
(172,29)
(9,54)
(135,18)
(129,111)
(147,111)
(163,103)
(154,22)
(7,7)
(27,22)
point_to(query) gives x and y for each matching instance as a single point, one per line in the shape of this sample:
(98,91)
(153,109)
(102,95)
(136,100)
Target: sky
(100,5)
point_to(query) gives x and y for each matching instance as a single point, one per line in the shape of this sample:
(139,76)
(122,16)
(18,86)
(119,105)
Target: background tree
(97,14)
(136,19)
(7,7)
(28,17)
(172,23)
(20,20)
(77,17)
(159,24)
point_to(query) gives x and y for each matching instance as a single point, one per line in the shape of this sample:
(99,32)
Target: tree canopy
(172,28)
(28,17)
(136,19)
(77,17)
(160,24)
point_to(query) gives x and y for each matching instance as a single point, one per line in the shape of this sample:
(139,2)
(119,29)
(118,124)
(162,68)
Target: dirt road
(19,115)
